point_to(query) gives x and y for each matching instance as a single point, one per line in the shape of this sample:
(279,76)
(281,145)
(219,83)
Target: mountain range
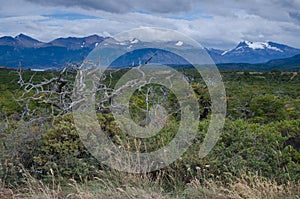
(32,53)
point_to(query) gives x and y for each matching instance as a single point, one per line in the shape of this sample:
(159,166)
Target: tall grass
(115,185)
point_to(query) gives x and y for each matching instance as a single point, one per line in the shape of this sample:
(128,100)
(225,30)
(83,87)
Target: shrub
(267,108)
(62,151)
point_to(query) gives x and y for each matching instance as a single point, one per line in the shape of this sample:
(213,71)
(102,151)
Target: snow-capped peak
(254,46)
(179,43)
(261,45)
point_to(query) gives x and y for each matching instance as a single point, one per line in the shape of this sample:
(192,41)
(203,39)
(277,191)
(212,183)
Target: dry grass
(111,186)
(250,186)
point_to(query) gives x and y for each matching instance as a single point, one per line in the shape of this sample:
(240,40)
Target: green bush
(243,147)
(62,151)
(267,108)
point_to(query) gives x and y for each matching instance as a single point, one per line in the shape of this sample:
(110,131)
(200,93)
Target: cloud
(295,15)
(272,9)
(121,6)
(215,23)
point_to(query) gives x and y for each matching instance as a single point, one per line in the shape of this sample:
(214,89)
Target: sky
(214,24)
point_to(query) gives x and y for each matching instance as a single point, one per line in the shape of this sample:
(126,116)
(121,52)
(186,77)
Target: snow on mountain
(179,43)
(256,52)
(253,46)
(226,51)
(134,41)
(260,45)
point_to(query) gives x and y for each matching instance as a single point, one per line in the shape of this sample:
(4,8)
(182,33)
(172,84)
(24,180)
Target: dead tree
(56,93)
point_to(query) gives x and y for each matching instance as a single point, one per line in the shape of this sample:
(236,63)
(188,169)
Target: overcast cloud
(215,23)
(121,6)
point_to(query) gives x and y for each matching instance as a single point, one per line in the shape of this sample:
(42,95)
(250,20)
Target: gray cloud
(122,6)
(295,16)
(272,9)
(224,23)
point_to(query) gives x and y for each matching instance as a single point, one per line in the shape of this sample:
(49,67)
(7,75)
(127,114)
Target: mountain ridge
(33,53)
(256,52)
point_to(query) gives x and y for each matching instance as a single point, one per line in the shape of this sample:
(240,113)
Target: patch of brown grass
(249,186)
(132,186)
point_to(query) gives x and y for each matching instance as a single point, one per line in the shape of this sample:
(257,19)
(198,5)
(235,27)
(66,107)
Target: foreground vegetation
(257,155)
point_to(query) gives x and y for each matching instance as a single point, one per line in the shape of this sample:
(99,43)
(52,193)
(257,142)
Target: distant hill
(286,64)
